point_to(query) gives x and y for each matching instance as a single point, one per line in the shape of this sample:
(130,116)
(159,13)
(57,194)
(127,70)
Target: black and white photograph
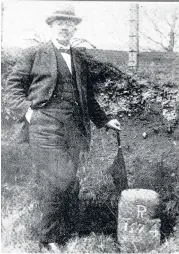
(89,127)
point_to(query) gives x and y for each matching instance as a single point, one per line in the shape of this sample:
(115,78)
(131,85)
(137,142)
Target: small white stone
(144,134)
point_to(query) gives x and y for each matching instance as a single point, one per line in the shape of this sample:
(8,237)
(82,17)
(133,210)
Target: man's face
(63,30)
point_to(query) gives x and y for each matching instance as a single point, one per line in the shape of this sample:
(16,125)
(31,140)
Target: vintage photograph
(89,127)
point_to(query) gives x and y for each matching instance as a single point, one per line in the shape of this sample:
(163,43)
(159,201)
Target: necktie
(62,50)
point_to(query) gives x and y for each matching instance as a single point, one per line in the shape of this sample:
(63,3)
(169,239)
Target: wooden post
(134,37)
(2,19)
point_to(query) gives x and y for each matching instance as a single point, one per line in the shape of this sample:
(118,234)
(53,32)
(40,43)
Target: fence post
(2,20)
(133,37)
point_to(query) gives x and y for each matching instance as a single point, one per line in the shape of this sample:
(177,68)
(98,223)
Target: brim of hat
(50,19)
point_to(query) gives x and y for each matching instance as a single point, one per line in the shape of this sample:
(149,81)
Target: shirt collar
(59,45)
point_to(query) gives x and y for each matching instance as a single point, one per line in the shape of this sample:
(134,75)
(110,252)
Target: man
(56,115)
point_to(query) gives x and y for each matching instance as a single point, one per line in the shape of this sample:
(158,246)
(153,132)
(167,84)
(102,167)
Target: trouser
(55,155)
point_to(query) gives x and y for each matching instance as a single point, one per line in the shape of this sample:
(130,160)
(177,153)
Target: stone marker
(138,231)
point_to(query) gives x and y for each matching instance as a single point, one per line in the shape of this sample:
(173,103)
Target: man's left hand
(114,124)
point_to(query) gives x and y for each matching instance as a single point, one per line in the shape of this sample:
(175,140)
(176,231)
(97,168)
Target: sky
(105,23)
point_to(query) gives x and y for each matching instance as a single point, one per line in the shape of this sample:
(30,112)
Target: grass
(98,196)
(151,163)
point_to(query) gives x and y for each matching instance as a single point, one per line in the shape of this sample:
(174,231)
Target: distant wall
(164,62)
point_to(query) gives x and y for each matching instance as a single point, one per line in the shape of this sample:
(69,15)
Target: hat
(66,13)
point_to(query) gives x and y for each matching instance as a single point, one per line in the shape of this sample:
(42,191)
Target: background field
(152,163)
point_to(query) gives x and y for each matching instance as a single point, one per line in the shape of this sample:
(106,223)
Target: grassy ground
(150,162)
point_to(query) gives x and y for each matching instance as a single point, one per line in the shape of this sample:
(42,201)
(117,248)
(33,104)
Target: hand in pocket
(28,115)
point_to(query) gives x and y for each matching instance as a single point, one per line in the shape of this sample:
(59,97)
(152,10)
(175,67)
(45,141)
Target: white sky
(105,24)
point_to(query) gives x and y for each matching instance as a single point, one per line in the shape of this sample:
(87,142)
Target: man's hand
(28,115)
(114,124)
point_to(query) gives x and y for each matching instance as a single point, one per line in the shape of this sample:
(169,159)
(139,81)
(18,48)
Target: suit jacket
(32,82)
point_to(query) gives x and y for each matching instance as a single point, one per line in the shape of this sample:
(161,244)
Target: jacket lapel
(49,58)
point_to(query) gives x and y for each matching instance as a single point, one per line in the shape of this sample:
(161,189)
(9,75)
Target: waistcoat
(61,104)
